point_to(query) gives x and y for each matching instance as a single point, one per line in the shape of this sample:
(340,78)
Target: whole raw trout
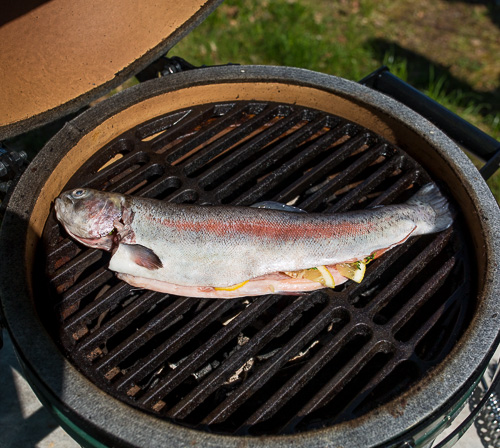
(229,251)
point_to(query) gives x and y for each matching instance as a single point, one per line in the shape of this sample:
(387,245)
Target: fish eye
(78,193)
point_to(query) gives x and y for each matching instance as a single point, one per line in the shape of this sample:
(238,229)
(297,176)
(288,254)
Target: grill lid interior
(59,55)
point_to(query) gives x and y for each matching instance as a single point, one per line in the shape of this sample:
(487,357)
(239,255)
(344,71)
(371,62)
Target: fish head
(90,215)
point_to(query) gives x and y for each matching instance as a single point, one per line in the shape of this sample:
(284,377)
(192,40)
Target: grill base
(416,415)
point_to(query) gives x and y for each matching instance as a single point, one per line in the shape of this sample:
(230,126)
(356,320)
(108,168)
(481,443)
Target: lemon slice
(327,276)
(354,271)
(233,287)
(318,274)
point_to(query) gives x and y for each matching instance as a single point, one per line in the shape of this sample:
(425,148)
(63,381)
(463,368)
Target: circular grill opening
(272,364)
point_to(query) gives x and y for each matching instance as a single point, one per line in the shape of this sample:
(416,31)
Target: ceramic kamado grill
(387,362)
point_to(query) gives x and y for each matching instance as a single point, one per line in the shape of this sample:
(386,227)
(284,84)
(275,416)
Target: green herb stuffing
(369,258)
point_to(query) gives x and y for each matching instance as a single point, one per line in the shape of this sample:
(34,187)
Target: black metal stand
(490,398)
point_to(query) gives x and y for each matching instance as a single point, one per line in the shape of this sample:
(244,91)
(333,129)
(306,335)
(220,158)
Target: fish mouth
(58,205)
(105,242)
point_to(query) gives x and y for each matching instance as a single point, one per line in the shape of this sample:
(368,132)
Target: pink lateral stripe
(272,230)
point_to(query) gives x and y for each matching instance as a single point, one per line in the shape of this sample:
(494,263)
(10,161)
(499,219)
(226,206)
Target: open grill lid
(59,55)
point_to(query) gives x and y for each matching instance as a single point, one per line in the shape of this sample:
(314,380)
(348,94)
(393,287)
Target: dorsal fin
(273,205)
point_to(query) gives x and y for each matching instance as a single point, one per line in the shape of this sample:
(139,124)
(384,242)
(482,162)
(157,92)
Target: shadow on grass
(492,5)
(436,79)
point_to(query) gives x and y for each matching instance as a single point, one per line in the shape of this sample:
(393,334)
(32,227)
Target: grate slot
(108,300)
(270,368)
(159,355)
(356,195)
(202,354)
(408,273)
(427,325)
(107,176)
(199,162)
(260,167)
(136,178)
(65,276)
(396,378)
(242,153)
(326,192)
(339,381)
(120,321)
(60,252)
(156,127)
(345,399)
(289,167)
(405,315)
(161,188)
(85,287)
(331,347)
(160,322)
(390,195)
(364,293)
(187,124)
(433,341)
(209,129)
(285,319)
(343,148)
(110,161)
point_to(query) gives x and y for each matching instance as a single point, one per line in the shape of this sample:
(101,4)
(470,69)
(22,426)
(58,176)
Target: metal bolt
(18,157)
(23,155)
(3,169)
(4,186)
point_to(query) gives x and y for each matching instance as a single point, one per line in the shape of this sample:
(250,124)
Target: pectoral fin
(143,256)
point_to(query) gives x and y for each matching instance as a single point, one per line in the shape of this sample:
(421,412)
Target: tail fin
(429,194)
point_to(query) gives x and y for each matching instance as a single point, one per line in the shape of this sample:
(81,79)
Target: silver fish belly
(219,246)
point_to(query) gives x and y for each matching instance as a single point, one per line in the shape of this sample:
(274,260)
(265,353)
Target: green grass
(447,49)
(276,32)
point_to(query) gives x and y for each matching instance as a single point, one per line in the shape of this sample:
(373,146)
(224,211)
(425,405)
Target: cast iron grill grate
(271,364)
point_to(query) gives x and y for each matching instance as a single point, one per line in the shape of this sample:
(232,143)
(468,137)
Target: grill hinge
(166,66)
(12,165)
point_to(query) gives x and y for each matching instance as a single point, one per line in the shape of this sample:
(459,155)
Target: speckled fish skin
(220,246)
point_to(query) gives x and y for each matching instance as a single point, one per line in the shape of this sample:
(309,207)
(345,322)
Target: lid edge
(75,104)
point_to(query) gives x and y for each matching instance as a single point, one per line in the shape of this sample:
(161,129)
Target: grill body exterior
(415,414)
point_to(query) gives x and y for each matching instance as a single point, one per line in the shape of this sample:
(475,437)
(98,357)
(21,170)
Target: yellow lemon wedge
(318,274)
(233,287)
(354,271)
